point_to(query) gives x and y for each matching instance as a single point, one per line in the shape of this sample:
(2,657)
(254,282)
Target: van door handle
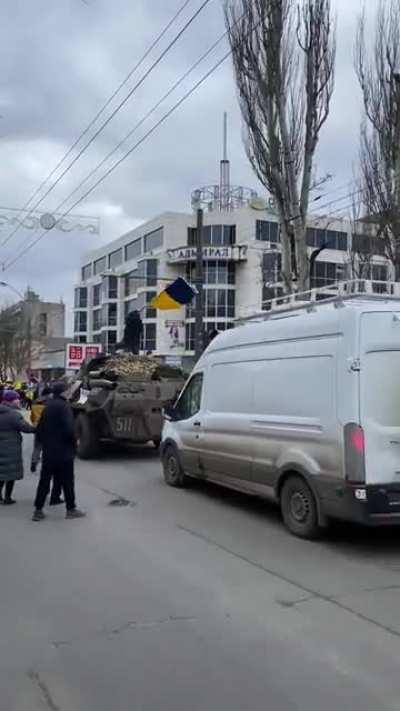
(196,424)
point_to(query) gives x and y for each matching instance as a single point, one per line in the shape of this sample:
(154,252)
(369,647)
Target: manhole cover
(119,502)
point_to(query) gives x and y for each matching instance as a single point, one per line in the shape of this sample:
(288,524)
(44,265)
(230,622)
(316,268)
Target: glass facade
(109,315)
(267,231)
(110,287)
(86,272)
(96,295)
(144,276)
(215,272)
(190,333)
(81,300)
(271,267)
(115,258)
(133,250)
(218,303)
(97,320)
(153,240)
(214,235)
(331,238)
(80,321)
(325,274)
(108,340)
(149,338)
(367,244)
(99,266)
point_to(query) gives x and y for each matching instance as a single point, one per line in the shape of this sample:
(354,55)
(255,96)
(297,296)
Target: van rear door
(380,395)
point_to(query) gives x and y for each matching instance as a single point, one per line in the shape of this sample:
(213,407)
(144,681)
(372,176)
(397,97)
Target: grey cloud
(61,60)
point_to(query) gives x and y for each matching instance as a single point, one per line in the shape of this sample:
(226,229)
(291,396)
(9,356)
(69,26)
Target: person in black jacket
(56,434)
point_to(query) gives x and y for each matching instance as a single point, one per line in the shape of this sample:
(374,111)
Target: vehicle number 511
(125,425)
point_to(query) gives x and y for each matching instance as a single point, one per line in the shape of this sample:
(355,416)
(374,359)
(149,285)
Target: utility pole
(199,324)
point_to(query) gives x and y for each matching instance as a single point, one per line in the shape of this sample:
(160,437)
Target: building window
(190,337)
(330,239)
(218,303)
(97,320)
(108,340)
(368,245)
(99,266)
(271,267)
(115,258)
(97,338)
(267,231)
(325,274)
(80,321)
(215,272)
(86,272)
(112,315)
(109,315)
(149,338)
(133,250)
(113,287)
(43,325)
(81,297)
(110,287)
(268,294)
(144,276)
(214,235)
(96,295)
(153,240)
(150,313)
(151,272)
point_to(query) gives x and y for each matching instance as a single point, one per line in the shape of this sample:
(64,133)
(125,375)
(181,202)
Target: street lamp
(25,300)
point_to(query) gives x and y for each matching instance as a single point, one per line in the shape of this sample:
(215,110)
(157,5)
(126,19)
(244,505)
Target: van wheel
(299,509)
(173,472)
(86,438)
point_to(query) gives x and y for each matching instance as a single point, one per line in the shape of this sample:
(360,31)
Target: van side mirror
(171,413)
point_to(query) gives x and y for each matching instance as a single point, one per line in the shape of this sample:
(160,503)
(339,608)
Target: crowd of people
(52,425)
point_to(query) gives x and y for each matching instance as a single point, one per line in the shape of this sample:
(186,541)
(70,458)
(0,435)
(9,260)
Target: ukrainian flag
(174,296)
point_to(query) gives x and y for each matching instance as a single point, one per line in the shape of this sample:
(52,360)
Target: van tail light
(354,453)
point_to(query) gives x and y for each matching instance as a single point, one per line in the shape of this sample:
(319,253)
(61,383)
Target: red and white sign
(77,353)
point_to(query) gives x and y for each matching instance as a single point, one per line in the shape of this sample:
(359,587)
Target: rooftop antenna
(224,186)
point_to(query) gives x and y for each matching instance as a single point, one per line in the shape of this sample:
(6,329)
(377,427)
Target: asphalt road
(193,600)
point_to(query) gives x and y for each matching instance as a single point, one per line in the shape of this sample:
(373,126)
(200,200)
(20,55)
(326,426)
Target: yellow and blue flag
(176,295)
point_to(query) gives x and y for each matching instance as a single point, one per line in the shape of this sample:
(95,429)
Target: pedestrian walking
(12,423)
(56,433)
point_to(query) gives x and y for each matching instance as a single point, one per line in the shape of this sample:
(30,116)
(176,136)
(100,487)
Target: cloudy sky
(61,60)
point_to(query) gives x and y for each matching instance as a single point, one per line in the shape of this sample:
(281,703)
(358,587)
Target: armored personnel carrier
(120,399)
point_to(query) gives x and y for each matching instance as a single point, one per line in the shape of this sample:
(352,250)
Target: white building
(242,257)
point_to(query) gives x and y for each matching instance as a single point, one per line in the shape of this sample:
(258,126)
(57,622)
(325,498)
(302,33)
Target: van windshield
(381,391)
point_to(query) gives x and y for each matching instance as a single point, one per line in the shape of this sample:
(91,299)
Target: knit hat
(10,396)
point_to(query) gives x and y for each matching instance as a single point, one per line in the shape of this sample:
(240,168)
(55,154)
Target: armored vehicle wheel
(87,440)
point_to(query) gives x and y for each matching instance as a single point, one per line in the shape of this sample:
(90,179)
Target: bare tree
(15,346)
(284,57)
(378,72)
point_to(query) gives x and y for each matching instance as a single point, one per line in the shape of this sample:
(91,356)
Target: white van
(302,407)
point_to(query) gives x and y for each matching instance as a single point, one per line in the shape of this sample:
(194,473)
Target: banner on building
(77,353)
(176,333)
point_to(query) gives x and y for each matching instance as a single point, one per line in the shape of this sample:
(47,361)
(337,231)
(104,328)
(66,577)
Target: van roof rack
(336,293)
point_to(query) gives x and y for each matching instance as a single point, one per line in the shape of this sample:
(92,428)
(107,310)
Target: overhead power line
(120,105)
(162,120)
(146,116)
